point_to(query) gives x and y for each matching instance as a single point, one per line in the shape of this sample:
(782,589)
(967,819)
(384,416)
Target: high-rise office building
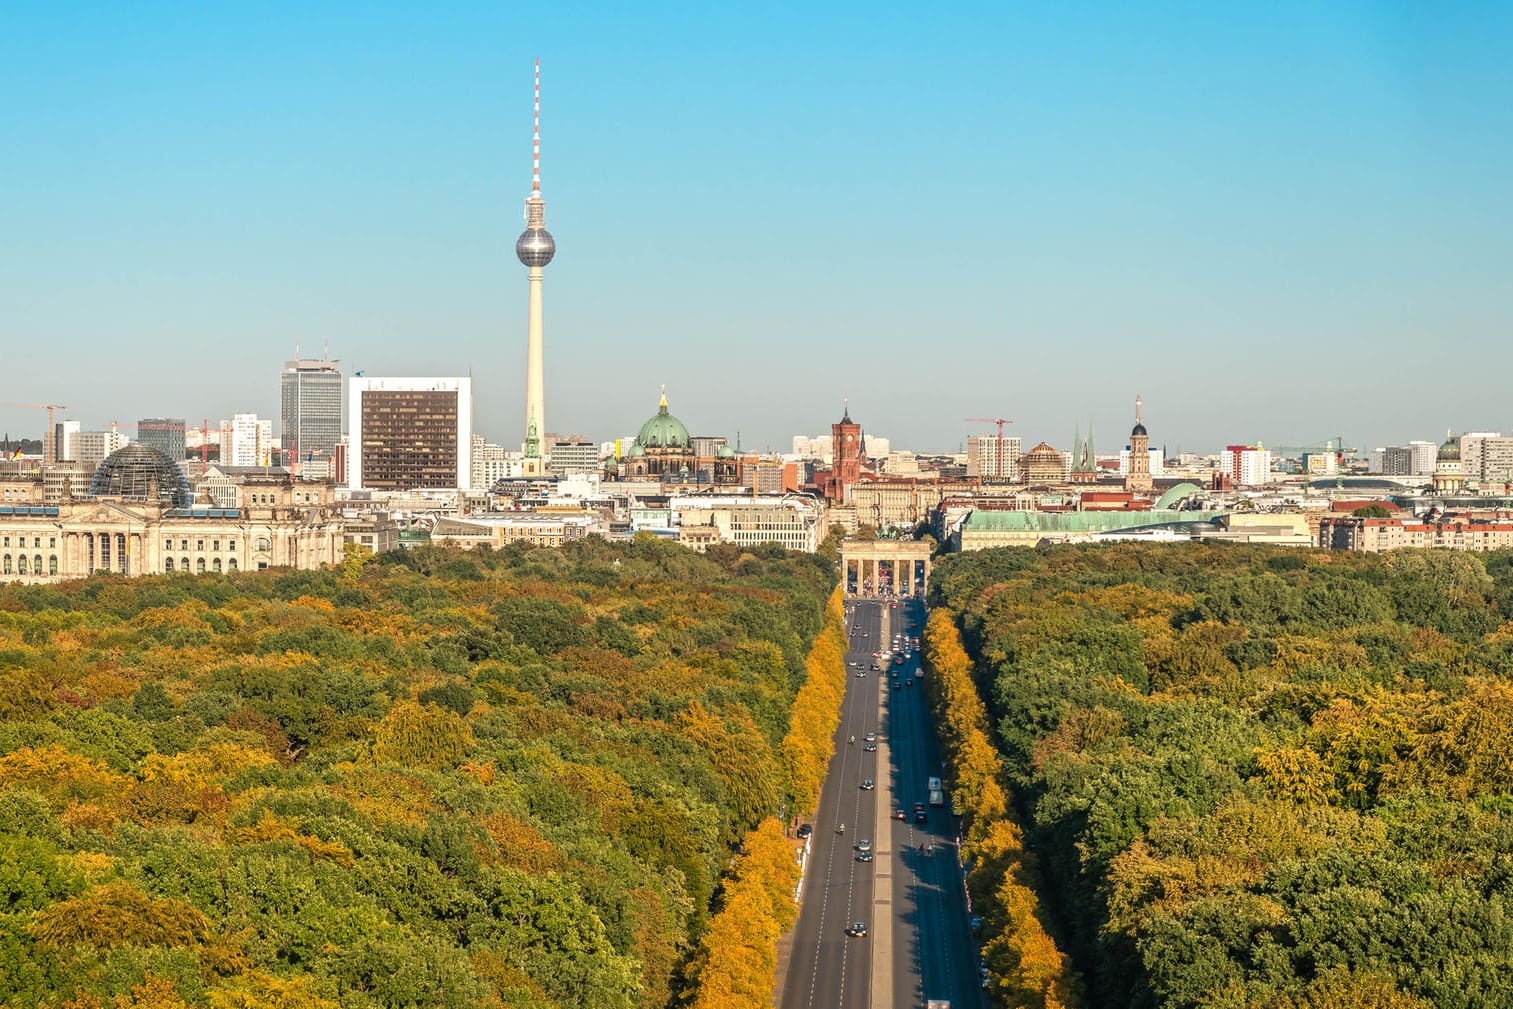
(984,453)
(409,433)
(1246,465)
(310,412)
(166,434)
(247,440)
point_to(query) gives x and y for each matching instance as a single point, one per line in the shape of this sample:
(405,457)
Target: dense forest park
(1226,777)
(532,778)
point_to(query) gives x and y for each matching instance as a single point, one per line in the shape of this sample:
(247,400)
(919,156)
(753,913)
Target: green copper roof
(1177,493)
(663,431)
(1076,522)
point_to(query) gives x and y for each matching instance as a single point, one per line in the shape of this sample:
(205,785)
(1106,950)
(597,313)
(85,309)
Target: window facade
(409,439)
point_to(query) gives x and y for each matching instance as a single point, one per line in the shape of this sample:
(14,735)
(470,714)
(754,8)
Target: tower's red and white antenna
(536,138)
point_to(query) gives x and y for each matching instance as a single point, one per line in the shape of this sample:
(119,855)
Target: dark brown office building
(410,433)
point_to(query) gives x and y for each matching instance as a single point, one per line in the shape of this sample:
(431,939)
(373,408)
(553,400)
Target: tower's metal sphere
(535,247)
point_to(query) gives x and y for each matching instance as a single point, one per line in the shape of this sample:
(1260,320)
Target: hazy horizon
(1286,223)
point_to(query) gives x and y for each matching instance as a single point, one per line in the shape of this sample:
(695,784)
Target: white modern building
(1487,456)
(575,455)
(92,447)
(247,440)
(1246,465)
(984,454)
(492,463)
(66,441)
(409,433)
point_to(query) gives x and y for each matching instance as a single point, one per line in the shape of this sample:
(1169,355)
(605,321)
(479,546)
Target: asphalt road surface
(918,944)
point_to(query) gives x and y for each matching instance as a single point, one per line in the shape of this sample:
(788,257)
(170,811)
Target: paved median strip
(882,883)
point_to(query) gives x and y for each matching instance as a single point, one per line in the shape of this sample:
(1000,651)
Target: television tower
(535,247)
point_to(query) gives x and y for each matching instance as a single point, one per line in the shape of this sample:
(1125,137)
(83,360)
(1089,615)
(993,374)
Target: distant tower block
(535,247)
(1137,478)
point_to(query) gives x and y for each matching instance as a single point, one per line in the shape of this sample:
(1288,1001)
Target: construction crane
(1335,447)
(1000,421)
(47,439)
(204,430)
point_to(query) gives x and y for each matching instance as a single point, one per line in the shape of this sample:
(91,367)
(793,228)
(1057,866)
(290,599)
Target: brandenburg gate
(884,567)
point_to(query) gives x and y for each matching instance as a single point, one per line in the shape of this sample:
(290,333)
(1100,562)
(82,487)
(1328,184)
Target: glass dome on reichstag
(141,473)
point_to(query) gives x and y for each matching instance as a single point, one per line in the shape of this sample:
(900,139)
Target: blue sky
(1278,221)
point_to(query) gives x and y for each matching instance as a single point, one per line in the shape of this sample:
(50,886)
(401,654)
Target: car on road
(864,856)
(908,683)
(871,737)
(897,685)
(805,829)
(867,785)
(870,747)
(857,929)
(921,815)
(861,674)
(864,845)
(899,814)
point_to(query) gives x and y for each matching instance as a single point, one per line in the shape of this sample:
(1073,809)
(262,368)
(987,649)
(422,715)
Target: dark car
(867,785)
(870,747)
(805,829)
(864,856)
(857,928)
(908,683)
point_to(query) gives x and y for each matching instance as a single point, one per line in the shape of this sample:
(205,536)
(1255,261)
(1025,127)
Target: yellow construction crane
(47,439)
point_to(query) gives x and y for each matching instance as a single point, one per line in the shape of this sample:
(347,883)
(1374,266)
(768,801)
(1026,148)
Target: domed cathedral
(1043,466)
(1137,479)
(1449,474)
(663,449)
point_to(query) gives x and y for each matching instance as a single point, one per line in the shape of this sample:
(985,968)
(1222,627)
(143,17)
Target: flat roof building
(310,411)
(410,433)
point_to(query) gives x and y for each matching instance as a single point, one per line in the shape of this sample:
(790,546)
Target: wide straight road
(918,944)
(934,954)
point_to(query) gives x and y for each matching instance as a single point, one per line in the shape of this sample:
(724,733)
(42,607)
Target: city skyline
(1278,225)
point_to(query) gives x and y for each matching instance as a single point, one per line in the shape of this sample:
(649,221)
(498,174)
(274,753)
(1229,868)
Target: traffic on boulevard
(883,920)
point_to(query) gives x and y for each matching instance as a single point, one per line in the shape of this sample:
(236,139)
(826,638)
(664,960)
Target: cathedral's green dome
(663,431)
(725,452)
(1450,450)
